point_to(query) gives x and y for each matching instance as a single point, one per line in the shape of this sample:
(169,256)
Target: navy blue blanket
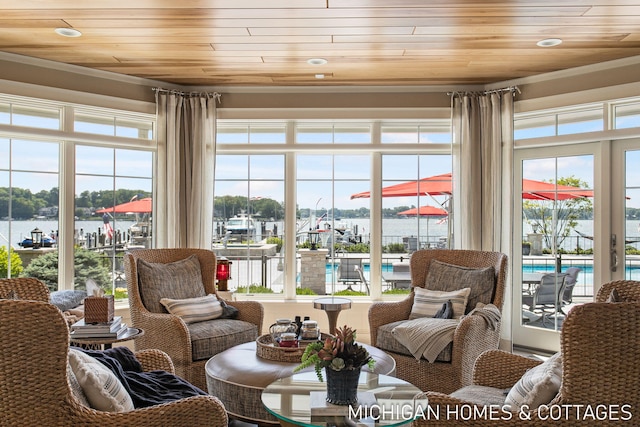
(145,388)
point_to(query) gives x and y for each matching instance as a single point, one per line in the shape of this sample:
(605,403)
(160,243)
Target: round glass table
(382,401)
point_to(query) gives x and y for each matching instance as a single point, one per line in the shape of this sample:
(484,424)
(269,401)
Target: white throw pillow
(426,303)
(103,389)
(538,386)
(193,310)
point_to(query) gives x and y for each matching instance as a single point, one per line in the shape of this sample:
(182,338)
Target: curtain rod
(486,92)
(194,94)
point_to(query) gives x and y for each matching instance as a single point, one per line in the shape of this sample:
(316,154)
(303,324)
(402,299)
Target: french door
(593,230)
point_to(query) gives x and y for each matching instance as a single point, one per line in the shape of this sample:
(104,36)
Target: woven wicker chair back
(420,261)
(26,288)
(33,362)
(600,350)
(628,290)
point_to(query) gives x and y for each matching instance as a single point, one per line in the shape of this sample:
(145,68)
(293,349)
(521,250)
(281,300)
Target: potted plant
(526,247)
(342,359)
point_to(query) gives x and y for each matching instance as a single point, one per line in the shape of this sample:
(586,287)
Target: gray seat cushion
(214,336)
(481,395)
(387,342)
(175,280)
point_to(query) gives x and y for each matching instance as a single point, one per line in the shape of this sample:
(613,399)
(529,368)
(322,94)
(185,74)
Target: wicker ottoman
(237,377)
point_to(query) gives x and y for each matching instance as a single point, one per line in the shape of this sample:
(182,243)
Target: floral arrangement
(337,352)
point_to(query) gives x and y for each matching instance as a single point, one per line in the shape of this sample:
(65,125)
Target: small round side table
(332,306)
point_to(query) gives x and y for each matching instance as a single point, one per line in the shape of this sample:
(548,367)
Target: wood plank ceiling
(366,42)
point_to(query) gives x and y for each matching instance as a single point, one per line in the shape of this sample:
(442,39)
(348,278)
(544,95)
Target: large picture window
(66,189)
(308,179)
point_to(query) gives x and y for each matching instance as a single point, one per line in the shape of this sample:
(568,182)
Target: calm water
(22,229)
(393,229)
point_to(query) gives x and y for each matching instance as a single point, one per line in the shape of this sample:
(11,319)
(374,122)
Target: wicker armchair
(169,333)
(27,288)
(628,290)
(472,336)
(600,346)
(34,389)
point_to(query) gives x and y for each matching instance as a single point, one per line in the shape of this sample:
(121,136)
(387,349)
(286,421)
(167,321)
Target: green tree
(16,263)
(540,213)
(87,265)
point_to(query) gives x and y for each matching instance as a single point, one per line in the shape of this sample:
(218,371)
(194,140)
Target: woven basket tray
(266,349)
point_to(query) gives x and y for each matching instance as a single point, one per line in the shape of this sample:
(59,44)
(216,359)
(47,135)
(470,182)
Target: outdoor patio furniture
(347,271)
(189,345)
(472,335)
(546,298)
(569,284)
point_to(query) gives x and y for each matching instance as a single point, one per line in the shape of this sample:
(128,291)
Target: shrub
(254,289)
(87,265)
(395,248)
(275,241)
(305,291)
(396,291)
(349,293)
(16,263)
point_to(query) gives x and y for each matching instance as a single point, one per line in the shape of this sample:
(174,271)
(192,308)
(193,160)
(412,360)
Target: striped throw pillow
(426,303)
(103,389)
(538,386)
(193,310)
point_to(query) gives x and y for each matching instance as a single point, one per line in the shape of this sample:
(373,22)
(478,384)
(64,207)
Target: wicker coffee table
(237,377)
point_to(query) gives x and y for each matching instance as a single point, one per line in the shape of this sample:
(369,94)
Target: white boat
(241,225)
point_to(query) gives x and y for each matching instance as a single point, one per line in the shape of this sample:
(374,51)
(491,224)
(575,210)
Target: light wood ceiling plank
(248,42)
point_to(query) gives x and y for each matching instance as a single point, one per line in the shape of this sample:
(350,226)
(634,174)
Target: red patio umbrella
(135,206)
(436,185)
(441,185)
(426,210)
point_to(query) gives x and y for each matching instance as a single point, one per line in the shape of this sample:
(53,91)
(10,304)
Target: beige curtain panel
(483,152)
(183,208)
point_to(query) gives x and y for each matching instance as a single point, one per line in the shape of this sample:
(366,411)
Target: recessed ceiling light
(317,61)
(68,32)
(319,76)
(549,42)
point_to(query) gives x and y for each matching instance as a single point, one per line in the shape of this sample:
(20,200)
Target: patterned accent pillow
(175,280)
(103,389)
(450,277)
(538,386)
(193,310)
(67,299)
(426,303)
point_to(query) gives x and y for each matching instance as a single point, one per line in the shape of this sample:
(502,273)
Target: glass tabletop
(383,401)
